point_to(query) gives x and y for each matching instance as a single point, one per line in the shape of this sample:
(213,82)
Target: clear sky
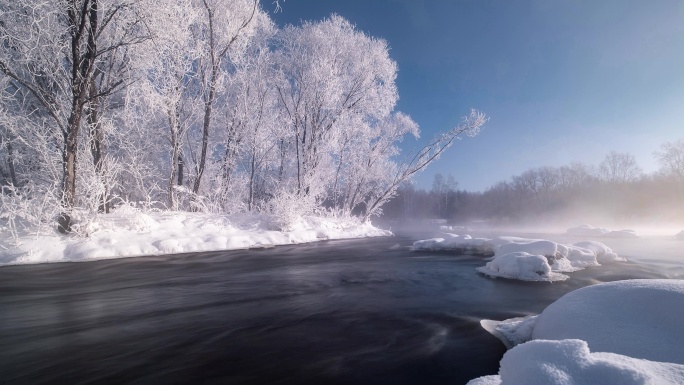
(561,80)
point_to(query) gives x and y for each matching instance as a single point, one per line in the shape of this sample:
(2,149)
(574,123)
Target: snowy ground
(625,332)
(130,233)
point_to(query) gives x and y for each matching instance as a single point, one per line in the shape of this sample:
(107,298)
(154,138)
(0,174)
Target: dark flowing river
(366,311)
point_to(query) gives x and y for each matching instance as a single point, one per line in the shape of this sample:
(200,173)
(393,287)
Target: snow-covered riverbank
(132,233)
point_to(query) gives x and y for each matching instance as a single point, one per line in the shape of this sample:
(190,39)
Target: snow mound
(129,233)
(522,266)
(602,252)
(571,362)
(680,235)
(638,318)
(524,259)
(591,231)
(632,327)
(462,244)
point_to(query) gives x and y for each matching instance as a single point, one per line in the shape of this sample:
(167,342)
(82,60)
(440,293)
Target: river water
(366,311)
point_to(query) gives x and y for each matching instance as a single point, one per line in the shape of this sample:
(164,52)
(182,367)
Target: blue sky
(561,80)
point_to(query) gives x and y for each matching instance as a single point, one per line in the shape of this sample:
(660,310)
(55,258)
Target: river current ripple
(366,311)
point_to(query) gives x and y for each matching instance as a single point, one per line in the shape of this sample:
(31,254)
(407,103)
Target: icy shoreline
(132,233)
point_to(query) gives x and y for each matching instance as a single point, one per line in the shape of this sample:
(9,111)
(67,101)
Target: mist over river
(366,311)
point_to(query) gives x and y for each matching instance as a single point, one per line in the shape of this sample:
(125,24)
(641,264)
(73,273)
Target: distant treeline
(616,189)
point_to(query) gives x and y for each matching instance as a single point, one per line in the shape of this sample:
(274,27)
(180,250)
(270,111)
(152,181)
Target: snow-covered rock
(565,362)
(524,259)
(522,266)
(128,233)
(591,231)
(625,323)
(602,252)
(462,244)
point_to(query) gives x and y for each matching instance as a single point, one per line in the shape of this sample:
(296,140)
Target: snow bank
(591,231)
(638,318)
(129,233)
(524,259)
(629,322)
(571,362)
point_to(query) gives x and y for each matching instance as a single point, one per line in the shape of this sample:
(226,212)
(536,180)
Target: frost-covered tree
(574,175)
(197,45)
(419,160)
(57,56)
(334,77)
(619,167)
(338,94)
(443,188)
(221,33)
(160,101)
(247,129)
(671,159)
(199,105)
(370,160)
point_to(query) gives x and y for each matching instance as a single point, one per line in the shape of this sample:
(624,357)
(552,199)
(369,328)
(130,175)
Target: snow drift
(571,362)
(634,324)
(129,232)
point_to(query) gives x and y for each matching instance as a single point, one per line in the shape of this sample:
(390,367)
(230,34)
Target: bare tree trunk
(10,164)
(229,159)
(181,163)
(250,200)
(208,106)
(281,168)
(174,126)
(299,164)
(69,165)
(96,141)
(83,23)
